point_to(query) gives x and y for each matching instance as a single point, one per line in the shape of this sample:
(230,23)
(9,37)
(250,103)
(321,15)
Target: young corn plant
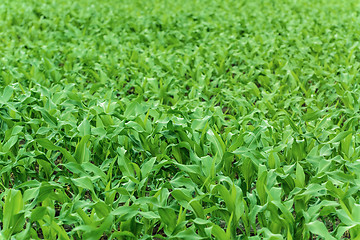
(172,120)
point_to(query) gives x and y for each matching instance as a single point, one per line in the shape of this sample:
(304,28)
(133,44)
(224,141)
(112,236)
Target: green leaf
(81,151)
(168,217)
(10,143)
(84,182)
(219,233)
(13,217)
(38,214)
(339,137)
(319,228)
(48,145)
(300,176)
(84,128)
(6,95)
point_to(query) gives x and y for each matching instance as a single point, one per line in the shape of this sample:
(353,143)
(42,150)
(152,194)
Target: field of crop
(191,119)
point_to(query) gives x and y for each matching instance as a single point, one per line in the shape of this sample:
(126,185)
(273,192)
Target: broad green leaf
(13,217)
(81,151)
(300,176)
(50,146)
(84,128)
(168,217)
(319,228)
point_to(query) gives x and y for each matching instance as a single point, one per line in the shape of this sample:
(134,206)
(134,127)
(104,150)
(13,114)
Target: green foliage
(184,119)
